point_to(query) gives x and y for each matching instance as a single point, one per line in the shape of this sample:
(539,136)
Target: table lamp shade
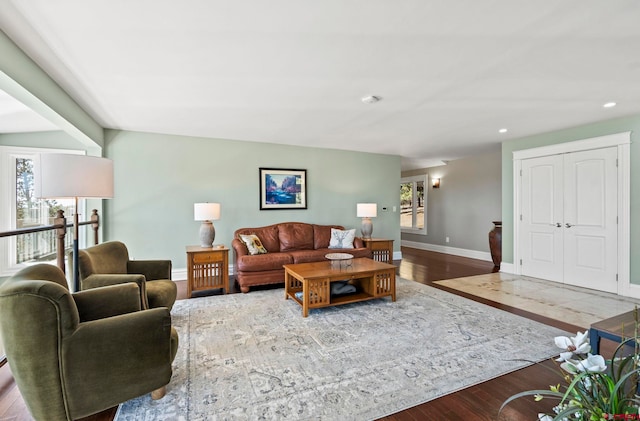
(73,176)
(206,211)
(367,210)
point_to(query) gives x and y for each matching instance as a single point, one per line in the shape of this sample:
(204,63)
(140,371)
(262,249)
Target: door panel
(541,213)
(590,216)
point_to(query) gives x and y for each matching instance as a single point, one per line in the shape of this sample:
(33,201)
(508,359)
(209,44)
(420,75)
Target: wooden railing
(60,226)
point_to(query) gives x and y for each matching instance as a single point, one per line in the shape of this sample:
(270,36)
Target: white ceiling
(451,73)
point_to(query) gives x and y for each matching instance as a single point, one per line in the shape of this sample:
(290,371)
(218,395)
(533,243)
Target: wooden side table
(207,268)
(381,248)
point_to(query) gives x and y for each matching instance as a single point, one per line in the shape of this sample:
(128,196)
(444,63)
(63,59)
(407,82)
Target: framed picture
(283,189)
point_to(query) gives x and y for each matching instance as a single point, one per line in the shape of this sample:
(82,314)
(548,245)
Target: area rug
(254,357)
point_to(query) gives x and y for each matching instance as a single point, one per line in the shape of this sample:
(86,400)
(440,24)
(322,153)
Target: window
(21,209)
(412,204)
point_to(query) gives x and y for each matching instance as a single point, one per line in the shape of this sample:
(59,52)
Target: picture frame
(282,188)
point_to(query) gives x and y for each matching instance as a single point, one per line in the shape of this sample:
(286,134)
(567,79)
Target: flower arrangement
(594,389)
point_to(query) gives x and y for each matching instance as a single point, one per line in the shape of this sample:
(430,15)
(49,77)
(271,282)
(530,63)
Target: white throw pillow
(253,243)
(342,239)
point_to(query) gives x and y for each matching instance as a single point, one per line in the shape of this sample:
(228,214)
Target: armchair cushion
(103,280)
(112,300)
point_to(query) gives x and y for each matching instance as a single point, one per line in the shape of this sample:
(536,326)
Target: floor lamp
(66,176)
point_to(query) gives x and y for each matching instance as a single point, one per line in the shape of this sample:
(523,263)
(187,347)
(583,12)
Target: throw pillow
(342,239)
(253,243)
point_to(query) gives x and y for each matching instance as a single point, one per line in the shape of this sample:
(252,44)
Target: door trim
(623,143)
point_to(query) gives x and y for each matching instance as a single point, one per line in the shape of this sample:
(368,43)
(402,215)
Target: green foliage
(594,395)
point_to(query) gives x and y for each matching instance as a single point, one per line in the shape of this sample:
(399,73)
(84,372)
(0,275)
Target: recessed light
(609,105)
(371,99)
(502,131)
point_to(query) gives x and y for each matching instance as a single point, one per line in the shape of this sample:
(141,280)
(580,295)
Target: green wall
(21,78)
(577,133)
(159,177)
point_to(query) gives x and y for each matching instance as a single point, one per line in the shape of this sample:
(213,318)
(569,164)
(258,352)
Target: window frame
(8,195)
(415,180)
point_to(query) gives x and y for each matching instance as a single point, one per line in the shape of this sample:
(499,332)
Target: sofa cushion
(294,236)
(342,239)
(268,235)
(262,262)
(322,235)
(253,243)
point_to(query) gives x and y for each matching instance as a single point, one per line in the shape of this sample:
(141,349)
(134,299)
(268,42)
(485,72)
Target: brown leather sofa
(286,243)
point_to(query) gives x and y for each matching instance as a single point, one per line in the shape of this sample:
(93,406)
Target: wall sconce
(435,182)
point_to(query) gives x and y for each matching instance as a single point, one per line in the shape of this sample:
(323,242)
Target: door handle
(557,224)
(568,225)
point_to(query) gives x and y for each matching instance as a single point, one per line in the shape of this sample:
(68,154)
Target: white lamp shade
(367,210)
(71,176)
(206,211)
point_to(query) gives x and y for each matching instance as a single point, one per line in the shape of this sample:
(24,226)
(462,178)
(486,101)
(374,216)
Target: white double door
(568,220)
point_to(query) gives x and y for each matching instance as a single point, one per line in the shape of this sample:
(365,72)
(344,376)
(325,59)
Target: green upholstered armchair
(73,355)
(108,263)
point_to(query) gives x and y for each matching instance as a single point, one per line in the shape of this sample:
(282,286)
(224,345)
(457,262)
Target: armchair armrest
(102,280)
(358,243)
(120,356)
(108,301)
(151,269)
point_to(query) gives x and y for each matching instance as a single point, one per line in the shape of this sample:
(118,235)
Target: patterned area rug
(253,356)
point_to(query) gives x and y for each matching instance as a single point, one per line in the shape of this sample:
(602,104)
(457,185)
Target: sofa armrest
(358,243)
(151,269)
(102,280)
(239,248)
(108,301)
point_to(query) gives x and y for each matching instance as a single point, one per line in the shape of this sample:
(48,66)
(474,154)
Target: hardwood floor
(480,402)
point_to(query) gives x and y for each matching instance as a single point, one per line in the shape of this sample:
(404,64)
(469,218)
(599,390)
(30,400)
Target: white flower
(544,417)
(578,345)
(591,364)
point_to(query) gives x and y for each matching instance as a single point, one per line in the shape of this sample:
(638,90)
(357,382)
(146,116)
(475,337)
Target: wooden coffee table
(372,280)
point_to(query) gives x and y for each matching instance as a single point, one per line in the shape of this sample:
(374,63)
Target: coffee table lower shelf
(372,279)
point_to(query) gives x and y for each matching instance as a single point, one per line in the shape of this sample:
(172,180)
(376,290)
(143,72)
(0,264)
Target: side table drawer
(205,257)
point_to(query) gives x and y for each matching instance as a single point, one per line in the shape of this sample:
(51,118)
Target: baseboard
(179,274)
(508,268)
(472,254)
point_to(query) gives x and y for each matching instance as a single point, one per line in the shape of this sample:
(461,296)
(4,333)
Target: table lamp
(206,212)
(68,176)
(366,211)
